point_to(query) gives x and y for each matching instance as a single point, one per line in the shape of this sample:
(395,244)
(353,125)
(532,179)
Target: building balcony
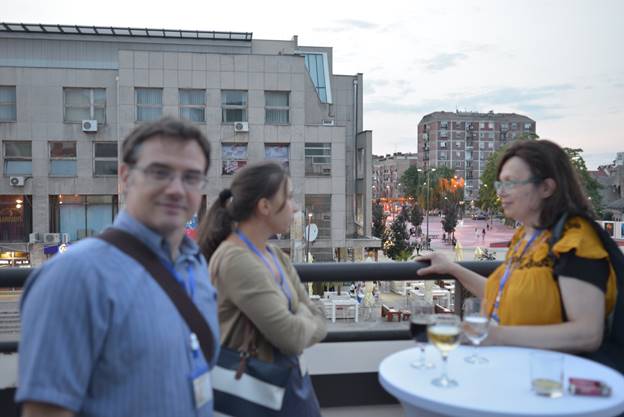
(344,366)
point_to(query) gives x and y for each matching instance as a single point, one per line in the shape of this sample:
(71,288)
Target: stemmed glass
(421,314)
(475,328)
(444,332)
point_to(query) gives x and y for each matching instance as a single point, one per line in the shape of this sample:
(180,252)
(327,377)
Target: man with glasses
(99,335)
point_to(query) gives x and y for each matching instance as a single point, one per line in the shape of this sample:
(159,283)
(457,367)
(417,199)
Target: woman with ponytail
(256,281)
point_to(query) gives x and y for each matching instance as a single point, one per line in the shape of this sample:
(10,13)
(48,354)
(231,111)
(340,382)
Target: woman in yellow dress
(538,300)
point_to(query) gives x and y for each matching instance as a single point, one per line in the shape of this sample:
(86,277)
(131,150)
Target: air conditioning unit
(89,125)
(241,127)
(51,238)
(17,181)
(34,238)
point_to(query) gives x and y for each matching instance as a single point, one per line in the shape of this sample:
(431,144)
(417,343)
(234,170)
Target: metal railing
(325,272)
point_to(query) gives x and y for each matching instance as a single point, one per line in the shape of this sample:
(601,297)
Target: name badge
(202,387)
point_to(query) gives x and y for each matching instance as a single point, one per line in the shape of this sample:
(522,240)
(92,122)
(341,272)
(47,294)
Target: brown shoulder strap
(136,249)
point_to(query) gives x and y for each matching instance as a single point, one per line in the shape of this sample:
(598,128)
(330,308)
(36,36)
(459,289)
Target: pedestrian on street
(483,234)
(99,336)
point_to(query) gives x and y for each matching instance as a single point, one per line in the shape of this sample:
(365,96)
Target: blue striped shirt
(101,338)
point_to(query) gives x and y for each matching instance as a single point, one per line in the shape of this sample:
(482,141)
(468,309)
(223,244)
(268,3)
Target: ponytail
(216,225)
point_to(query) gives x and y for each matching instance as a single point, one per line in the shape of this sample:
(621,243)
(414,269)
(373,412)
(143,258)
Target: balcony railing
(355,388)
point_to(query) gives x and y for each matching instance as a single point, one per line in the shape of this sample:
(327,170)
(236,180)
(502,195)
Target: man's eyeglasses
(511,184)
(163,176)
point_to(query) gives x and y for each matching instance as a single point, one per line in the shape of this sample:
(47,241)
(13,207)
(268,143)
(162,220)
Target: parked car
(479,216)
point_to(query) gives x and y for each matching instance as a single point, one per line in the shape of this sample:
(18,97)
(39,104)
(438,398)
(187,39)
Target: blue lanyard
(508,269)
(255,250)
(190,286)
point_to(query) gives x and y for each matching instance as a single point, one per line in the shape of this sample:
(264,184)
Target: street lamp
(427,207)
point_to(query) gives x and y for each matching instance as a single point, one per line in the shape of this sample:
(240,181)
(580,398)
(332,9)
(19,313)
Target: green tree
(449,222)
(379,220)
(591,186)
(416,215)
(413,183)
(395,239)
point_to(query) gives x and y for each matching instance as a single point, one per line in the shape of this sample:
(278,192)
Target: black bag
(611,351)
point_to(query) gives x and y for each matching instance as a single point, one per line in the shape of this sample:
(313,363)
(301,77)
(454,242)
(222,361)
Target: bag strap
(136,249)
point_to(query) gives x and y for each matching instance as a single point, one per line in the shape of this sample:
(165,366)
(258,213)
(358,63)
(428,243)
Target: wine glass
(475,328)
(444,332)
(421,314)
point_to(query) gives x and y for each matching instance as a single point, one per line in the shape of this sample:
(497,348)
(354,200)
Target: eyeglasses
(163,176)
(511,184)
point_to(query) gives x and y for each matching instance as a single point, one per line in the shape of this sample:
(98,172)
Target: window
(444,134)
(277,152)
(319,206)
(481,145)
(318,159)
(234,106)
(490,125)
(81,216)
(105,159)
(504,126)
(84,104)
(62,159)
(149,104)
(277,107)
(490,145)
(193,105)
(8,104)
(233,157)
(318,69)
(491,135)
(442,144)
(481,125)
(514,125)
(18,158)
(444,124)
(527,126)
(15,218)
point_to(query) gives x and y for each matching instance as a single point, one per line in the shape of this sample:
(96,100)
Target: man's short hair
(166,127)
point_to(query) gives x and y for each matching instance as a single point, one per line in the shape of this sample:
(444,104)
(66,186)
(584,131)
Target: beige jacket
(245,285)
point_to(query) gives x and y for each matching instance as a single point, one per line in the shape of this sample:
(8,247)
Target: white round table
(499,388)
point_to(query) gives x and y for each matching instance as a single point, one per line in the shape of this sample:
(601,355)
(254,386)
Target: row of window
(81,216)
(90,104)
(488,125)
(63,158)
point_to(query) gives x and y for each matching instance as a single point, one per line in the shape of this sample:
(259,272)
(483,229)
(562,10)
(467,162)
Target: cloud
(540,103)
(443,61)
(348,24)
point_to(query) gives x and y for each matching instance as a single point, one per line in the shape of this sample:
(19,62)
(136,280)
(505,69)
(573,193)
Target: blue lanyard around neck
(508,269)
(188,285)
(285,289)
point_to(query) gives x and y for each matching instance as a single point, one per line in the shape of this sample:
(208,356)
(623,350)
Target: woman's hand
(440,264)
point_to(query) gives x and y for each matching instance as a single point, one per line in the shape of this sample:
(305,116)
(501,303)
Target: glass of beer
(443,332)
(421,314)
(475,327)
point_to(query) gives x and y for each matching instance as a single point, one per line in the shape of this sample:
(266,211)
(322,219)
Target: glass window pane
(106,150)
(77,97)
(149,96)
(278,153)
(63,168)
(148,113)
(17,167)
(99,97)
(276,116)
(107,168)
(77,114)
(62,149)
(8,113)
(7,95)
(192,97)
(99,216)
(234,157)
(100,115)
(18,149)
(276,98)
(193,114)
(72,220)
(234,115)
(234,98)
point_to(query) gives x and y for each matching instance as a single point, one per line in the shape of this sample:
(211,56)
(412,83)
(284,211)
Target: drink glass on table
(475,328)
(443,333)
(421,314)
(547,373)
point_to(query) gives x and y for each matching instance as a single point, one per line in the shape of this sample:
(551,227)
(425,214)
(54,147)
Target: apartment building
(387,173)
(463,141)
(70,94)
